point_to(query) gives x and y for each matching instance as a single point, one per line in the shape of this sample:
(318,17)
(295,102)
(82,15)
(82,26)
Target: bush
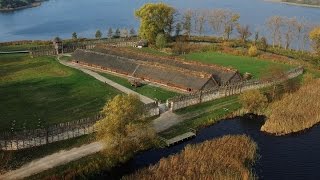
(253,101)
(161,41)
(253,51)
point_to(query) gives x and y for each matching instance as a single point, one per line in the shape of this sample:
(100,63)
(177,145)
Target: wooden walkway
(180,138)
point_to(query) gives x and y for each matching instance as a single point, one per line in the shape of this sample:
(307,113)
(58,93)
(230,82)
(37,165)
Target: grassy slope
(41,88)
(241,63)
(146,90)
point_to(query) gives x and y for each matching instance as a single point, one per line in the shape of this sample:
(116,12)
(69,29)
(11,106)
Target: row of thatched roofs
(168,71)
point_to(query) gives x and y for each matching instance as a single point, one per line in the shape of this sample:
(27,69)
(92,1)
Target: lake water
(291,157)
(62,17)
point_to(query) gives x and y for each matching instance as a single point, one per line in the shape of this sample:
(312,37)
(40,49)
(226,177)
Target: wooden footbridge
(179,138)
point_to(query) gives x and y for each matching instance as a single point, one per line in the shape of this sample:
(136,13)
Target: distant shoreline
(36,4)
(294,4)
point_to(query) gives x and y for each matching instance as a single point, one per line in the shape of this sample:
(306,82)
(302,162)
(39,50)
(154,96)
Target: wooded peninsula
(11,5)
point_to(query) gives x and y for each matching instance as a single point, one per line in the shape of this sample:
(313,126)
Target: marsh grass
(229,157)
(294,112)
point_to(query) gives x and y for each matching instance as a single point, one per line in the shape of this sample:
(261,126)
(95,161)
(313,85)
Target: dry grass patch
(229,157)
(295,112)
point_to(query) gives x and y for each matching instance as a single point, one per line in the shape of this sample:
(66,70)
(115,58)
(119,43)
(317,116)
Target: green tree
(110,33)
(253,101)
(161,41)
(74,36)
(98,34)
(117,33)
(124,130)
(132,32)
(155,18)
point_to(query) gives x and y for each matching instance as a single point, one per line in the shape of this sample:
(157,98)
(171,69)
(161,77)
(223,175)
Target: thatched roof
(174,73)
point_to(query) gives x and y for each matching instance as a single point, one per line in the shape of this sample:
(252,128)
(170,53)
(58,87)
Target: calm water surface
(288,157)
(62,17)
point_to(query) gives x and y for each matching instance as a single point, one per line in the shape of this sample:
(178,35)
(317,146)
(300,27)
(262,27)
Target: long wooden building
(167,71)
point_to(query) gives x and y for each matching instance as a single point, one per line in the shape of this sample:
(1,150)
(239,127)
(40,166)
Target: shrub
(253,101)
(161,41)
(253,51)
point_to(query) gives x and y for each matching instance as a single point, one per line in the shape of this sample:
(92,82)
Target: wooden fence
(11,141)
(228,90)
(70,47)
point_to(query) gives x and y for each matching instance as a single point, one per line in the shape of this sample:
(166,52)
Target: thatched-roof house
(187,76)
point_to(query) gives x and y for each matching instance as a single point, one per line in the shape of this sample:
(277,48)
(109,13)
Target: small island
(12,5)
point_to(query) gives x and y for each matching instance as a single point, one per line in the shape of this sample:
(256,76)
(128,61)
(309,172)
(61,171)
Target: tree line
(160,18)
(111,33)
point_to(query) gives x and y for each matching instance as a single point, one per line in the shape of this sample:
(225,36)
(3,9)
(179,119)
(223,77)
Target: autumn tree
(187,24)
(315,38)
(230,21)
(155,18)
(253,101)
(215,20)
(98,34)
(124,130)
(290,25)
(274,24)
(199,21)
(244,32)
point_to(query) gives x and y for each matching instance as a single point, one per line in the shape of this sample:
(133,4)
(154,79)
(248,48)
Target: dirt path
(121,88)
(164,122)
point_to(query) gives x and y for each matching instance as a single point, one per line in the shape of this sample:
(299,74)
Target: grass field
(242,63)
(41,88)
(153,92)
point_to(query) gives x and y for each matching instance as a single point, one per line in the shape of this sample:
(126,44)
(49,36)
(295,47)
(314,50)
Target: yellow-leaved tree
(155,18)
(124,130)
(315,38)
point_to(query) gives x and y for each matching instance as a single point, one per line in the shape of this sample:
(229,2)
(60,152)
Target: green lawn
(146,90)
(215,111)
(19,47)
(41,88)
(242,63)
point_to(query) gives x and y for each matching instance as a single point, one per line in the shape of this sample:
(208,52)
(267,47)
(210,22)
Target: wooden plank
(180,138)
